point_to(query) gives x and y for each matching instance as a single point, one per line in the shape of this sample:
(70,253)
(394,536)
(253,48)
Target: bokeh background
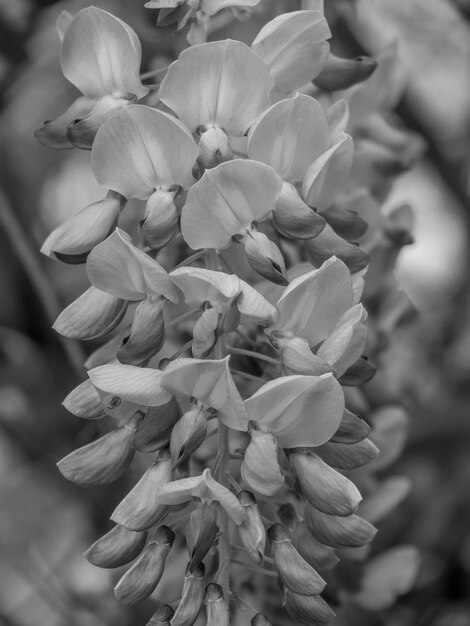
(45,522)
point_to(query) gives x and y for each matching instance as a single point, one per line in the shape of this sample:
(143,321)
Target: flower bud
(319,556)
(160,223)
(162,617)
(187,435)
(293,218)
(298,358)
(260,469)
(230,318)
(338,74)
(141,509)
(72,241)
(118,547)
(84,401)
(324,487)
(328,244)
(265,257)
(345,223)
(192,597)
(92,315)
(147,334)
(360,373)
(339,532)
(308,609)
(216,609)
(141,579)
(295,573)
(201,532)
(102,461)
(53,134)
(351,430)
(205,333)
(348,456)
(260,619)
(82,132)
(251,530)
(154,431)
(214,148)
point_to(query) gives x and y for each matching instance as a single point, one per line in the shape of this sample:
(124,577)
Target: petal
(294,47)
(211,383)
(312,304)
(119,268)
(53,134)
(299,410)
(289,136)
(201,285)
(260,468)
(211,7)
(337,116)
(63,22)
(140,149)
(226,201)
(222,83)
(129,382)
(101,55)
(253,306)
(327,175)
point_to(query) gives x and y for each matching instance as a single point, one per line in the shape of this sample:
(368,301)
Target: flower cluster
(259,228)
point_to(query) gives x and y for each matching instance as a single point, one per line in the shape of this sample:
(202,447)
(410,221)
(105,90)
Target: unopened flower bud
(338,74)
(188,434)
(339,532)
(265,257)
(351,430)
(192,597)
(118,547)
(82,132)
(201,532)
(295,573)
(293,218)
(160,223)
(298,358)
(308,609)
(329,244)
(325,488)
(214,148)
(319,556)
(141,579)
(216,609)
(260,619)
(230,318)
(260,469)
(53,134)
(102,461)
(251,530)
(162,617)
(348,456)
(72,241)
(154,431)
(141,509)
(84,401)
(147,334)
(205,333)
(345,223)
(360,373)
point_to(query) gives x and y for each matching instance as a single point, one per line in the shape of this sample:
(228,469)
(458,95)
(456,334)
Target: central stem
(221,350)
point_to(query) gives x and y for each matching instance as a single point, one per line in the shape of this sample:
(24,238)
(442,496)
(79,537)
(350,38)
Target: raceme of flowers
(250,247)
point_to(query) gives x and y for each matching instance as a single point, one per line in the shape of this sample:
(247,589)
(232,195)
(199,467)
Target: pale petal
(260,468)
(200,285)
(63,22)
(211,383)
(129,382)
(327,175)
(253,306)
(299,410)
(226,201)
(312,304)
(211,7)
(101,55)
(119,268)
(294,47)
(337,116)
(289,136)
(139,149)
(222,83)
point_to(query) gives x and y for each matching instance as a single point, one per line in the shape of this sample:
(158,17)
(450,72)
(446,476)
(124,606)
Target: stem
(181,317)
(161,71)
(254,355)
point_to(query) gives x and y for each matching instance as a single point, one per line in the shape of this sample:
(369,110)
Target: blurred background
(45,522)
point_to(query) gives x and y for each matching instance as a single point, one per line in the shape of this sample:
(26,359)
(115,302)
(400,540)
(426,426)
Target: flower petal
(222,83)
(211,7)
(294,47)
(53,134)
(226,201)
(211,383)
(101,55)
(139,149)
(119,268)
(289,136)
(200,285)
(260,468)
(299,410)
